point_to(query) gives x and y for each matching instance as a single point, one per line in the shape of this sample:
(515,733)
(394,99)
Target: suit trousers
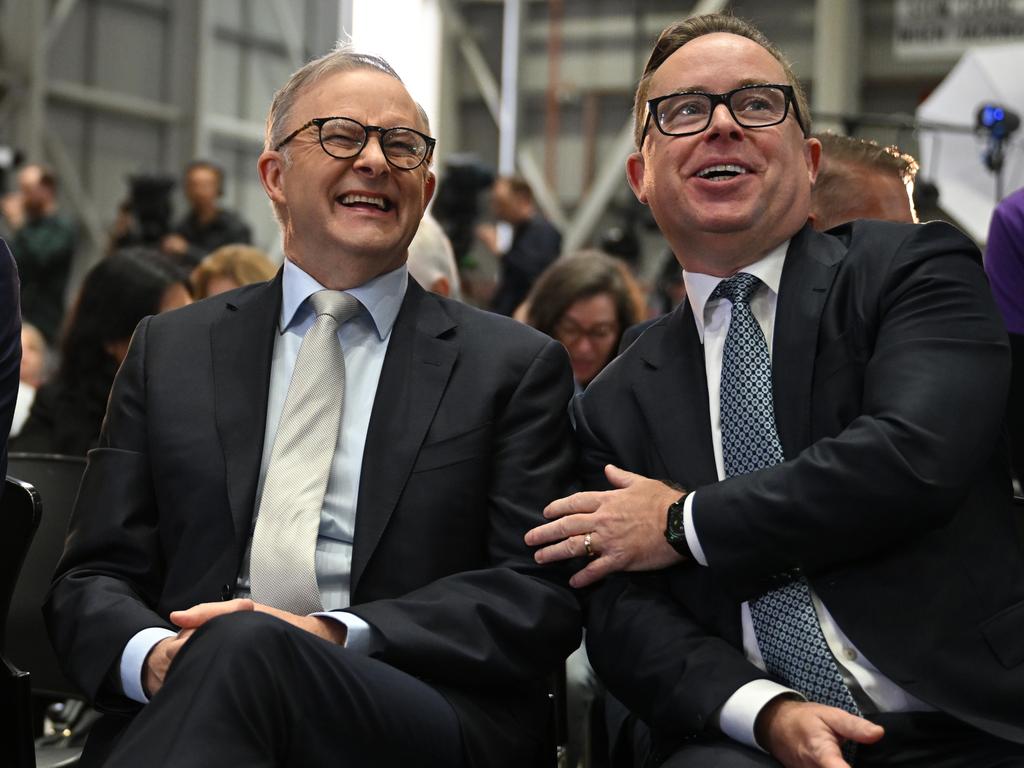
(251,690)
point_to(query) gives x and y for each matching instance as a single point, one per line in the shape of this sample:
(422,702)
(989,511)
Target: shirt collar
(699,287)
(381,297)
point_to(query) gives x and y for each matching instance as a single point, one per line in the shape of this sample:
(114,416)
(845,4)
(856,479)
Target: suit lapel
(416,369)
(243,343)
(672,391)
(810,268)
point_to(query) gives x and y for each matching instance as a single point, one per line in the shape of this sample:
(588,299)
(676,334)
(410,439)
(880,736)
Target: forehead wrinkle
(394,109)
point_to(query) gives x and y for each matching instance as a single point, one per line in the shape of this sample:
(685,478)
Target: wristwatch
(675,534)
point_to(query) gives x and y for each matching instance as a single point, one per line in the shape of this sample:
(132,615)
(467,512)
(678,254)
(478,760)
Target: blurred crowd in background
(74,340)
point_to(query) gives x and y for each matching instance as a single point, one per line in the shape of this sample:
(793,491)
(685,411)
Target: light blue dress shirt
(364,340)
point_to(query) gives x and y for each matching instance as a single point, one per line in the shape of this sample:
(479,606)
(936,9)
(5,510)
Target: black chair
(1018,507)
(56,479)
(20,512)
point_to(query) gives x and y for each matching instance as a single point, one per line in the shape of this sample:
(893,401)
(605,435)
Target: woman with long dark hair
(115,295)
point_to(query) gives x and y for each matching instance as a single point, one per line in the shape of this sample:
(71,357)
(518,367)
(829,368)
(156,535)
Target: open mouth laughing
(364,200)
(721,172)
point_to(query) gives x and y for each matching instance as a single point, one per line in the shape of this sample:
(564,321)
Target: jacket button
(226,592)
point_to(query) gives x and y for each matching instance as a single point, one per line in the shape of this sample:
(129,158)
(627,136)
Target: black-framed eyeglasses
(751,106)
(343,138)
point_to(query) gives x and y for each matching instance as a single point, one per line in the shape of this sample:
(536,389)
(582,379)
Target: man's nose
(372,157)
(722,121)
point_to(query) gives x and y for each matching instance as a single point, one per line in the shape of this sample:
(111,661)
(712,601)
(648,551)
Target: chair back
(20,512)
(56,478)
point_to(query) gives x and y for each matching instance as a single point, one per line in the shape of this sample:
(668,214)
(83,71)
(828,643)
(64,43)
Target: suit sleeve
(928,422)
(686,672)
(513,621)
(10,349)
(112,568)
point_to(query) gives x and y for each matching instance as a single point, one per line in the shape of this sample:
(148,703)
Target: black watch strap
(675,533)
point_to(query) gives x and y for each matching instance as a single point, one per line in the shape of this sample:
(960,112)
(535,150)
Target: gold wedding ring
(586,546)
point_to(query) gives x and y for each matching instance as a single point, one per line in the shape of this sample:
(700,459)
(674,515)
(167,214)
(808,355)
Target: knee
(241,633)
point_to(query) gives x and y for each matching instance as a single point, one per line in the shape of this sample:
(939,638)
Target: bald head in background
(860,179)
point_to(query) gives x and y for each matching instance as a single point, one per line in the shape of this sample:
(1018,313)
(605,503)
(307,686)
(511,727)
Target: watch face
(675,531)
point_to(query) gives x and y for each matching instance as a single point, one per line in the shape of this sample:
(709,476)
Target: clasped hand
(626,528)
(163,653)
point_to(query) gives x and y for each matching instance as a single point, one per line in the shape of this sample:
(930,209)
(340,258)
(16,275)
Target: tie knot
(737,289)
(337,304)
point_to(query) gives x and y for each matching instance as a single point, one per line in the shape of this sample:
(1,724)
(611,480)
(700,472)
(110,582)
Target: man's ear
(270,166)
(429,185)
(812,153)
(635,170)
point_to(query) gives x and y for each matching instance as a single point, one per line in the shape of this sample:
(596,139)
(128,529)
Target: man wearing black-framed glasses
(822,414)
(311,494)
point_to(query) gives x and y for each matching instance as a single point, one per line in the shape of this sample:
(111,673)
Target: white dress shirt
(364,340)
(712,317)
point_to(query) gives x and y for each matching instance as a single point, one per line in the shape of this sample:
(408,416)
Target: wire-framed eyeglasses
(751,106)
(343,138)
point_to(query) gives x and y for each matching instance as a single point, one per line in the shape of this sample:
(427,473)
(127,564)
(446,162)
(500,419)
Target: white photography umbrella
(954,160)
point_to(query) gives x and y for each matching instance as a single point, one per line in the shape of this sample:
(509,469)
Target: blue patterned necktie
(785,623)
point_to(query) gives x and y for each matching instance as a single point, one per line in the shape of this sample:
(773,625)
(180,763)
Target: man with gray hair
(299,541)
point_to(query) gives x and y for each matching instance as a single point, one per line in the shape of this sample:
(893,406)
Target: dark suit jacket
(535,245)
(468,440)
(10,350)
(890,370)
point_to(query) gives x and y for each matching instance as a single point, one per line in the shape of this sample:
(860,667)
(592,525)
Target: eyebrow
(704,89)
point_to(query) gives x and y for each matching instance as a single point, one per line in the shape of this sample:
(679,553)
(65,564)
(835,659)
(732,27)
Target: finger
(833,761)
(851,727)
(574,525)
(620,478)
(268,609)
(199,614)
(579,503)
(596,570)
(567,549)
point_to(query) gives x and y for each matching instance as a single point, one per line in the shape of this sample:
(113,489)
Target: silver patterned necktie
(283,557)
(785,624)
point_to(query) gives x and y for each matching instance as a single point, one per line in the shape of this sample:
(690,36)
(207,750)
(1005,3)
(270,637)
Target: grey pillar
(837,67)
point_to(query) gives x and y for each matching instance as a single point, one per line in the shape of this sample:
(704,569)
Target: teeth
(715,170)
(370,200)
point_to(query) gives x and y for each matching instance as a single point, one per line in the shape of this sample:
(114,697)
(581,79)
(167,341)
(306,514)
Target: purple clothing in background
(1004,259)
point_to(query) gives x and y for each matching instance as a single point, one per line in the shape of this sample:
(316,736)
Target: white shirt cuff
(357,638)
(738,715)
(133,658)
(691,534)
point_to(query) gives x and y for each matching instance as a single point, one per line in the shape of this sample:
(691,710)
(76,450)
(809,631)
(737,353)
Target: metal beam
(80,200)
(610,180)
(200,135)
(35,95)
(59,16)
(289,32)
(487,86)
(610,177)
(837,58)
(111,101)
(248,131)
(508,115)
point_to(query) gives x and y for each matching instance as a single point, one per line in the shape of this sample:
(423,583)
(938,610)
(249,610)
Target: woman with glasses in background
(586,301)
